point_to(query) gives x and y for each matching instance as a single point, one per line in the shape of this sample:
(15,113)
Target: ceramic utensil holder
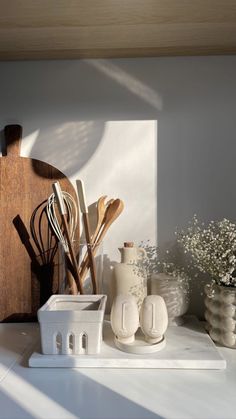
(72,324)
(80,248)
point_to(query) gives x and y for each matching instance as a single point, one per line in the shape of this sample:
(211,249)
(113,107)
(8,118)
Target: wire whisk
(72,217)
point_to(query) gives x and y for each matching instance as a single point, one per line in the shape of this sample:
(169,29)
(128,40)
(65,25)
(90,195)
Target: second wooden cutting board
(25,184)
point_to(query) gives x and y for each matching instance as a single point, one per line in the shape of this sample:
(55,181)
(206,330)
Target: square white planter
(72,324)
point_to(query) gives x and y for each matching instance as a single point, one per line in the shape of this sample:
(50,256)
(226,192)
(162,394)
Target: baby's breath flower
(213,249)
(157,261)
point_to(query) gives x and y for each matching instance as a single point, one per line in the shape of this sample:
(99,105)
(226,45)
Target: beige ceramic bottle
(129,275)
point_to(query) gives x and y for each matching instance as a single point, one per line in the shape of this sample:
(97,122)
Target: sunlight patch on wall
(125,166)
(128,81)
(28,143)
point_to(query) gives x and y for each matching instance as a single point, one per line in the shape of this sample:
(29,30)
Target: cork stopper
(128,244)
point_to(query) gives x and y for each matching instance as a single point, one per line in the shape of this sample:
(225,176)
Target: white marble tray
(187,347)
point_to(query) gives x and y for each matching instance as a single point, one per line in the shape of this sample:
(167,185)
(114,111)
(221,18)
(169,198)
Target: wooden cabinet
(48,29)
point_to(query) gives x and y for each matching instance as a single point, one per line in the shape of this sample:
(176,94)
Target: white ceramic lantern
(175,293)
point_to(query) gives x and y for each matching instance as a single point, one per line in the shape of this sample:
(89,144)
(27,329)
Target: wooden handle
(70,279)
(95,245)
(84,210)
(13,135)
(71,252)
(98,239)
(81,195)
(90,253)
(84,266)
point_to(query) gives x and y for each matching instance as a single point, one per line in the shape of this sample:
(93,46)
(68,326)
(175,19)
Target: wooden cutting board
(25,184)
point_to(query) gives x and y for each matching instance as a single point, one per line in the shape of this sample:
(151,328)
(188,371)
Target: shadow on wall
(68,146)
(64,110)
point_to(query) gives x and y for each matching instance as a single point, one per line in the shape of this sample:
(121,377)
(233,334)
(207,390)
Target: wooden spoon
(101,209)
(112,213)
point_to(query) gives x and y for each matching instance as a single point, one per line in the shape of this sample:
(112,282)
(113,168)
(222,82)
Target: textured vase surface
(220,314)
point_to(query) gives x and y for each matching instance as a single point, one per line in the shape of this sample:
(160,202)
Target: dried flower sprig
(148,265)
(172,269)
(213,249)
(157,262)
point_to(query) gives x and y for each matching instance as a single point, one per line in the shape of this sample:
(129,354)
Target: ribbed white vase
(220,314)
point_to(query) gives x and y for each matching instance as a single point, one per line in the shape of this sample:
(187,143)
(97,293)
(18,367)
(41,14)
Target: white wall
(193,99)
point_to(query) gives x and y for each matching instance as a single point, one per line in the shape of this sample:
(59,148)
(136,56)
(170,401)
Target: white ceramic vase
(175,293)
(220,314)
(128,277)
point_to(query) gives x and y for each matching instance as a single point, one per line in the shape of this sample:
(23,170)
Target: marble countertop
(61,393)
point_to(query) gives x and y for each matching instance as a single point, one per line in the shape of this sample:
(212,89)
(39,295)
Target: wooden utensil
(113,211)
(25,184)
(63,213)
(84,210)
(101,209)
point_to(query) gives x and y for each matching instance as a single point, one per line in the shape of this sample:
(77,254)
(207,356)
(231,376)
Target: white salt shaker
(124,318)
(153,318)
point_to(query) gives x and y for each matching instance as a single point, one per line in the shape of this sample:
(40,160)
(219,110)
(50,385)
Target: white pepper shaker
(124,318)
(153,318)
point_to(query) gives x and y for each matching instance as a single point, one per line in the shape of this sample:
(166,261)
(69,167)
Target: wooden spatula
(84,210)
